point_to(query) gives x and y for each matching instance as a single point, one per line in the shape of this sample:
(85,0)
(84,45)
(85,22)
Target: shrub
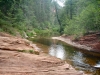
(31,51)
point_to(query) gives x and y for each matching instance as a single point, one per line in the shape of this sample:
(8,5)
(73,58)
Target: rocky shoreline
(90,48)
(16,60)
(68,41)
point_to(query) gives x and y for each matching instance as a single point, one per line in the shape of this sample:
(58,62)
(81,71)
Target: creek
(80,60)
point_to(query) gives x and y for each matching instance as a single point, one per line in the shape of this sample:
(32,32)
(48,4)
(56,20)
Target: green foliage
(85,17)
(40,16)
(47,32)
(24,15)
(22,51)
(31,51)
(26,51)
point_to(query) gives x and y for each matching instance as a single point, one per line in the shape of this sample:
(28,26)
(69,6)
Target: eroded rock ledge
(8,42)
(13,62)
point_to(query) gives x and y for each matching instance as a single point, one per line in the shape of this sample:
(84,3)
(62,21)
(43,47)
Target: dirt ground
(14,62)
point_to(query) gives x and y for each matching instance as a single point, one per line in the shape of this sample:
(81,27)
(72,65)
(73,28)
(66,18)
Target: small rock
(67,68)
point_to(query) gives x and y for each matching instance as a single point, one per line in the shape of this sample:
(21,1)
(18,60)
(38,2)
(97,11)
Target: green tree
(81,16)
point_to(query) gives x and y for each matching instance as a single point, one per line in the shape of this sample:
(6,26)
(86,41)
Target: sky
(60,2)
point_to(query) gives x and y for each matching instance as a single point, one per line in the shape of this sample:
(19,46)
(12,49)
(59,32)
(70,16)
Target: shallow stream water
(79,59)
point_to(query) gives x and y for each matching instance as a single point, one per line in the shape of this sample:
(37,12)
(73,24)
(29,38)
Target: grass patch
(31,51)
(27,51)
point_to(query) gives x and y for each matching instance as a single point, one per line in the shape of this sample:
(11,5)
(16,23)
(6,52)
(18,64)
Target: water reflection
(78,59)
(97,65)
(79,62)
(57,51)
